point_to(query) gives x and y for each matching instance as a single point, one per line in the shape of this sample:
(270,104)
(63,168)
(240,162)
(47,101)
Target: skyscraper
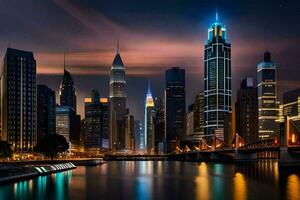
(117,102)
(217,78)
(246,111)
(175,106)
(46,104)
(67,90)
(159,125)
(148,121)
(64,116)
(129,130)
(92,110)
(18,99)
(268,110)
(291,103)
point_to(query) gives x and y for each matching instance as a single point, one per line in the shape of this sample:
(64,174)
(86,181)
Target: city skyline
(182,42)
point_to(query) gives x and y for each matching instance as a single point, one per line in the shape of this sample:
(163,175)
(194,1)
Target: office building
(18,100)
(268,108)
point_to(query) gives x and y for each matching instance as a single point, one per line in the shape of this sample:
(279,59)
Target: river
(144,180)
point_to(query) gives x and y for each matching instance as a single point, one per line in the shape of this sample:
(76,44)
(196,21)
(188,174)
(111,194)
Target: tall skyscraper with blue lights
(217,79)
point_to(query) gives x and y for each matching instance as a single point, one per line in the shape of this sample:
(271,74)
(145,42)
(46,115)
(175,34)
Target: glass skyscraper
(175,106)
(217,79)
(268,107)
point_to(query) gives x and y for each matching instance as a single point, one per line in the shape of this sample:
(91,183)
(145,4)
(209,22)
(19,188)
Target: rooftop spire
(118,48)
(149,90)
(217,16)
(64,61)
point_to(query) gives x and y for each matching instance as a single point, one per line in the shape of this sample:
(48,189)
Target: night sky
(154,35)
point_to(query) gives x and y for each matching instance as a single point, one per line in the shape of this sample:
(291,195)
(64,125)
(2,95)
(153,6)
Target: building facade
(92,124)
(64,115)
(175,106)
(189,120)
(117,100)
(129,130)
(291,103)
(199,113)
(46,104)
(268,107)
(246,111)
(217,79)
(18,100)
(159,125)
(148,122)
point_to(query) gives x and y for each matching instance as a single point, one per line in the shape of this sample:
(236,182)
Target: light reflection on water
(145,180)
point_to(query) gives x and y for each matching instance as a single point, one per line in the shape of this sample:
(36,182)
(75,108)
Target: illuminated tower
(217,79)
(267,98)
(67,90)
(117,103)
(149,128)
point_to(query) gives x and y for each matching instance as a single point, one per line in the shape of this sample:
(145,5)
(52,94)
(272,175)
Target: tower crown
(217,30)
(149,98)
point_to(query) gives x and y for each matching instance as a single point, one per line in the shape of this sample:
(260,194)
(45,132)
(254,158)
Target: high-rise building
(217,78)
(64,115)
(138,127)
(129,130)
(104,122)
(175,106)
(18,100)
(159,125)
(92,126)
(148,121)
(67,90)
(268,109)
(46,104)
(117,100)
(199,113)
(246,111)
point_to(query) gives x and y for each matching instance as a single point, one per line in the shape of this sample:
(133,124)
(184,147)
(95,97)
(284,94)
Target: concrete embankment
(15,173)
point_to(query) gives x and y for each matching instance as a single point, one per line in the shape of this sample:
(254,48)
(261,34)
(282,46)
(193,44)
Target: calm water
(145,180)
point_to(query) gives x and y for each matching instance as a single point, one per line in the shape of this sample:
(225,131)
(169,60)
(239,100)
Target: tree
(5,149)
(51,145)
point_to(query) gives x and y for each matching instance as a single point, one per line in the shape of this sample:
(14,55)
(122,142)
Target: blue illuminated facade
(217,79)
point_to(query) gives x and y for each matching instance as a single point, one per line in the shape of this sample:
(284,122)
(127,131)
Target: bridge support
(288,159)
(243,157)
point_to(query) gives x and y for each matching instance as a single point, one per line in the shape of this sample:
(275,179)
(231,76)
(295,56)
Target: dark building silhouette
(46,104)
(129,130)
(175,106)
(246,111)
(92,109)
(117,101)
(217,79)
(268,107)
(159,124)
(18,100)
(67,90)
(104,123)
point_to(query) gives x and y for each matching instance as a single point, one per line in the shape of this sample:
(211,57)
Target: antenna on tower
(64,61)
(217,16)
(118,48)
(149,90)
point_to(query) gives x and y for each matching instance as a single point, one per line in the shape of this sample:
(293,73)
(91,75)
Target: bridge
(285,148)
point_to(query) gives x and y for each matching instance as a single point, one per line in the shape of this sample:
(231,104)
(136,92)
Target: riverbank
(13,171)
